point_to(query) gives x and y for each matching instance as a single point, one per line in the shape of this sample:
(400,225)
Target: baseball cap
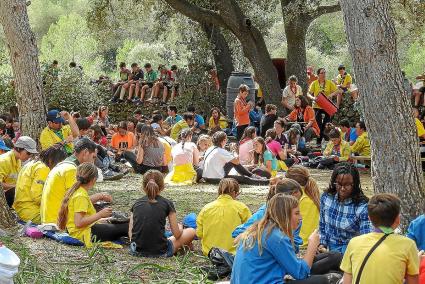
(341,66)
(3,146)
(297,127)
(55,116)
(27,143)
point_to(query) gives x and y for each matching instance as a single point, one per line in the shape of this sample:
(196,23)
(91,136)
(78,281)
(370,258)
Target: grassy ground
(46,261)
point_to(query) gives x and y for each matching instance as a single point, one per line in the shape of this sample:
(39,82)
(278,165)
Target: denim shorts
(168,253)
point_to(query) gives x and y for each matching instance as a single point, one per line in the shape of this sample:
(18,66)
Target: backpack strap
(205,158)
(359,275)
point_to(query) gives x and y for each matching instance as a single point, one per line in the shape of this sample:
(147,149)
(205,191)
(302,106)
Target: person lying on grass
(148,219)
(79,217)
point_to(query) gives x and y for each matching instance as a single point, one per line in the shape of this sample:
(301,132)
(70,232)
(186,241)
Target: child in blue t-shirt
(416,231)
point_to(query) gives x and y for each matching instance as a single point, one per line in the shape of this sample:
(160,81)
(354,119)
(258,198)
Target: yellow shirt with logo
(48,137)
(362,145)
(60,179)
(392,260)
(29,188)
(9,167)
(310,214)
(419,127)
(327,89)
(217,220)
(80,202)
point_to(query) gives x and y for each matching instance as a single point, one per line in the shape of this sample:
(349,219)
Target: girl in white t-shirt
(218,162)
(185,157)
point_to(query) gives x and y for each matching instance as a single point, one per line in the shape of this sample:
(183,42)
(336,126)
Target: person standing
(241,110)
(292,91)
(327,88)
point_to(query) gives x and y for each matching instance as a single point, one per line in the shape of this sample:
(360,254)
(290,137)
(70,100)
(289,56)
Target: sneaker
(111,175)
(136,99)
(113,100)
(120,101)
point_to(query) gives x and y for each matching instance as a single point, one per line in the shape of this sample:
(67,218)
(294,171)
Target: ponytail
(63,212)
(311,189)
(152,190)
(86,172)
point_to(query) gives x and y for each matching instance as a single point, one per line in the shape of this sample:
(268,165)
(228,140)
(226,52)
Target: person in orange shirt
(123,140)
(241,110)
(304,113)
(310,75)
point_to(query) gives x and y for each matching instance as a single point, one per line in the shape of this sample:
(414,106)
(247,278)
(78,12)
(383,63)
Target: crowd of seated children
(148,220)
(219,218)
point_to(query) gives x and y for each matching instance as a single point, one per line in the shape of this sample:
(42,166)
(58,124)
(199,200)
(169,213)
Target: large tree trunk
(7,220)
(221,52)
(295,31)
(396,165)
(231,17)
(26,69)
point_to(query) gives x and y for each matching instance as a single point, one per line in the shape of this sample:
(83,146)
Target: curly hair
(357,194)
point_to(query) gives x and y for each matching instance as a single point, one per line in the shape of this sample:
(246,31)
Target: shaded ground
(46,261)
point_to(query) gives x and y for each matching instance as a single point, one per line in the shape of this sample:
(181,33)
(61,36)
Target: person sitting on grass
(172,117)
(268,119)
(309,201)
(277,185)
(148,220)
(343,209)
(246,146)
(79,217)
(187,122)
(218,163)
(362,145)
(394,259)
(185,157)
(123,140)
(266,254)
(10,165)
(219,218)
(304,113)
(337,150)
(57,132)
(30,182)
(150,152)
(217,121)
(199,120)
(348,133)
(265,162)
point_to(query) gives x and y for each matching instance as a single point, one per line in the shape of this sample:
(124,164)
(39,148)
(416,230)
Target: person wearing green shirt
(147,83)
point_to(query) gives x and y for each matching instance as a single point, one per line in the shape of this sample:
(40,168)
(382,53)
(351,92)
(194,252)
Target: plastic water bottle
(9,263)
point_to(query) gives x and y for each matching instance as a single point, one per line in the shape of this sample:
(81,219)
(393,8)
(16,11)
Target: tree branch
(321,10)
(196,13)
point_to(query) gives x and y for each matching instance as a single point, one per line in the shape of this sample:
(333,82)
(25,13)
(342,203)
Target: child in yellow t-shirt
(309,201)
(77,214)
(397,254)
(218,219)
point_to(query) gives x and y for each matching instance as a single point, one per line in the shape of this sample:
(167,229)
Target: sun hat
(27,143)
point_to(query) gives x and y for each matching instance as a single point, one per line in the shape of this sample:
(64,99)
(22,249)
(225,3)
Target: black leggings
(139,168)
(10,196)
(244,178)
(313,279)
(240,130)
(326,262)
(109,232)
(321,123)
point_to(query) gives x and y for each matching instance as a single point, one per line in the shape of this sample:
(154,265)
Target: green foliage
(71,40)
(7,94)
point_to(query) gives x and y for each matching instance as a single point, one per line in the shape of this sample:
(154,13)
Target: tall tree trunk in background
(229,16)
(221,53)
(396,164)
(7,220)
(296,56)
(297,17)
(26,69)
